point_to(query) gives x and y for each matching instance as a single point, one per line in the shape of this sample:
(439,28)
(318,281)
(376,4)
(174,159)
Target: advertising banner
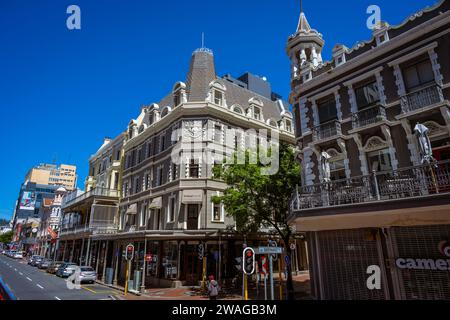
(28,201)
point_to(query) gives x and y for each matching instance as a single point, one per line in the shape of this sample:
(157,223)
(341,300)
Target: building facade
(166,182)
(367,197)
(50,174)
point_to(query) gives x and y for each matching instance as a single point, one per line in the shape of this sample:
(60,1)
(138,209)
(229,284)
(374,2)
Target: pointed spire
(303,25)
(201,72)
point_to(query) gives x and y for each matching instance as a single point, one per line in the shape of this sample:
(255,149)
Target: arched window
(166,111)
(237,109)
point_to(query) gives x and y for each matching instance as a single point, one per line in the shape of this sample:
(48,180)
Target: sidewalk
(301,287)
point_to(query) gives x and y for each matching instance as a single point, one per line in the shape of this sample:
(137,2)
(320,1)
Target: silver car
(86,274)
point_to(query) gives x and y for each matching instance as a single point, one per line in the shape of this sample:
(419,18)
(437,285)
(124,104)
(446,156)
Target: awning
(156,203)
(192,196)
(132,209)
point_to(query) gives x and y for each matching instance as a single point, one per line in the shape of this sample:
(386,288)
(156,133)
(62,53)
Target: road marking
(40,286)
(29,279)
(21,273)
(57,298)
(85,288)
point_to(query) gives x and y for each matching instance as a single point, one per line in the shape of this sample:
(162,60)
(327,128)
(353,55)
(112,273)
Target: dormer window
(176,99)
(339,52)
(179,94)
(288,126)
(340,60)
(218,97)
(257,113)
(238,109)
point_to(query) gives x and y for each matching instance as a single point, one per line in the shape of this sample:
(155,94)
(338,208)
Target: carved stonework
(375,143)
(193,130)
(434,129)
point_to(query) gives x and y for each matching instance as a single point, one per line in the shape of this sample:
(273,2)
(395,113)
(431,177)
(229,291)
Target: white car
(18,255)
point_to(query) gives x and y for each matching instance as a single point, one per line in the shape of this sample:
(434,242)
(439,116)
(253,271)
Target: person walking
(213,288)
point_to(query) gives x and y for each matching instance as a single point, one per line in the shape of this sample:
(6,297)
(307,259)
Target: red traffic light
(249,253)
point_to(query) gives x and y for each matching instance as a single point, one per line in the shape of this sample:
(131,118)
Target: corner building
(366,197)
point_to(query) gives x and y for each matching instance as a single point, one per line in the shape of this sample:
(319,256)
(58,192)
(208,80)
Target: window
(171,216)
(116,180)
(147,181)
(163,142)
(139,156)
(149,150)
(218,97)
(118,155)
(337,170)
(257,113)
(160,175)
(125,189)
(327,111)
(217,133)
(418,75)
(137,186)
(237,110)
(176,99)
(288,126)
(379,160)
(143,216)
(174,171)
(367,95)
(217,214)
(193,169)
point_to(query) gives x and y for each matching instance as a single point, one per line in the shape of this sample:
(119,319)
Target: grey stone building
(367,197)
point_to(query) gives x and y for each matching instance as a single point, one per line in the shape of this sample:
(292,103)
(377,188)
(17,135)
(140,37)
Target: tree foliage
(257,200)
(6,237)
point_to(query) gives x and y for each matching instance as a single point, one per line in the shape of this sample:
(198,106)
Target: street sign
(129,252)
(264,265)
(273,243)
(201,251)
(270,250)
(287,259)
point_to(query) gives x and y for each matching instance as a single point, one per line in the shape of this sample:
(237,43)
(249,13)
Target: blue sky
(62,91)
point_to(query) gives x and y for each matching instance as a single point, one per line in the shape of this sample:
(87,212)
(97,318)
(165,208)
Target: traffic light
(129,252)
(249,260)
(201,251)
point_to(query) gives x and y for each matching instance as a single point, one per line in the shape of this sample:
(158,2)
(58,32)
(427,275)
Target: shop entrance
(192,265)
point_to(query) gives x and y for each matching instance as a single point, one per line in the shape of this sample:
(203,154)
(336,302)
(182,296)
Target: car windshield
(86,269)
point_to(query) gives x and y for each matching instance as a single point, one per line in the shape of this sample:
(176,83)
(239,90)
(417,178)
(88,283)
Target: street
(30,283)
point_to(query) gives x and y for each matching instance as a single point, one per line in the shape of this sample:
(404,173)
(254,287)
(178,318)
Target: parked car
(44,264)
(11,253)
(18,255)
(87,274)
(35,260)
(53,267)
(66,270)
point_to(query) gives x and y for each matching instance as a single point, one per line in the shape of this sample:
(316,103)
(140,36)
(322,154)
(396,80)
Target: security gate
(421,260)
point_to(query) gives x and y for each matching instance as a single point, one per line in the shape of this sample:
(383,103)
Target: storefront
(414,262)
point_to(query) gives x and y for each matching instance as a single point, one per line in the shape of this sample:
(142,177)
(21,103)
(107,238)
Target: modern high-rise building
(373,135)
(50,174)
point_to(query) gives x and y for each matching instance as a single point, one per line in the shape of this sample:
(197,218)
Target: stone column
(72,251)
(81,252)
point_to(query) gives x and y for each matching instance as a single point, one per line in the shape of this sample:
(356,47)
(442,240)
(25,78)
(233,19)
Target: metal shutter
(422,242)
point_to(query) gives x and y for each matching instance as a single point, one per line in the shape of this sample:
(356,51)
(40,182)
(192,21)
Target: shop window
(170,259)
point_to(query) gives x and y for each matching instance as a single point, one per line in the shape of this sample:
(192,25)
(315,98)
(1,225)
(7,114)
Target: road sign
(287,259)
(264,265)
(201,251)
(129,252)
(270,250)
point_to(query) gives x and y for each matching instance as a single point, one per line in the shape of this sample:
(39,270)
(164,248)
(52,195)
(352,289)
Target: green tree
(6,237)
(257,200)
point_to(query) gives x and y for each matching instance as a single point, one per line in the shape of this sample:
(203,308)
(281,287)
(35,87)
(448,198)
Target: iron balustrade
(411,182)
(421,98)
(370,115)
(98,191)
(96,227)
(327,130)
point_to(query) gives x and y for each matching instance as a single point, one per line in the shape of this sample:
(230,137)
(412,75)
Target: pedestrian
(213,288)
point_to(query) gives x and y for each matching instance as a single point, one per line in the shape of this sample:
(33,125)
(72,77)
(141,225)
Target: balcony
(96,227)
(422,98)
(368,116)
(96,192)
(412,182)
(326,130)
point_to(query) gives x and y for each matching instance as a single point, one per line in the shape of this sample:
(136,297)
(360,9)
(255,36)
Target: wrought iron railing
(403,183)
(98,191)
(421,98)
(327,130)
(371,115)
(96,227)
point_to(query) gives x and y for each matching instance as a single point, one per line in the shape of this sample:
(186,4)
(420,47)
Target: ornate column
(362,155)
(412,143)
(342,146)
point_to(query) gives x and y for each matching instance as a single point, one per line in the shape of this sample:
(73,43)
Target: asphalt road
(30,283)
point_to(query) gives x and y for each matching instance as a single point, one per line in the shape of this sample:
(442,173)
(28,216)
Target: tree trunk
(289,281)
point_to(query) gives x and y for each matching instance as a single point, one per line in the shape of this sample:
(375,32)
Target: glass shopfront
(170,260)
